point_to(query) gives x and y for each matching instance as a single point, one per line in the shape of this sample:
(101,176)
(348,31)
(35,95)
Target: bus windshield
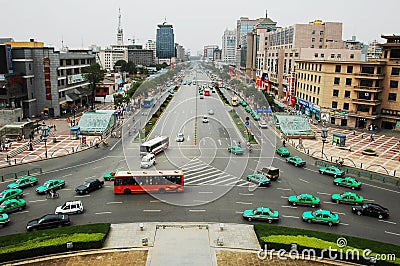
(148,102)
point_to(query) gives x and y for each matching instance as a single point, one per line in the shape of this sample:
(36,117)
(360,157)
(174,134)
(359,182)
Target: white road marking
(154,201)
(369,199)
(239,212)
(323,193)
(205,192)
(82,196)
(31,201)
(97,167)
(103,212)
(288,216)
(114,202)
(343,224)
(341,213)
(389,222)
(219,142)
(203,201)
(66,175)
(246,203)
(330,202)
(286,206)
(284,197)
(151,210)
(391,233)
(22,212)
(283,188)
(398,192)
(244,194)
(303,180)
(197,210)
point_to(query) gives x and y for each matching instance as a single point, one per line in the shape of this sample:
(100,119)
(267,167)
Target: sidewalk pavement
(386,146)
(64,145)
(175,244)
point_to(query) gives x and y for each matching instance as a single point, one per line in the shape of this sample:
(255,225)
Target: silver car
(180,137)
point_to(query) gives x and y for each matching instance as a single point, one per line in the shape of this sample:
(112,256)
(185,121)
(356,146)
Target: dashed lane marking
(151,210)
(103,213)
(389,222)
(115,202)
(288,216)
(246,203)
(391,233)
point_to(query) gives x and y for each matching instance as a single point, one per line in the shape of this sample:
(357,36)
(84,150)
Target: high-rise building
(243,26)
(374,50)
(357,94)
(229,47)
(208,51)
(150,45)
(165,44)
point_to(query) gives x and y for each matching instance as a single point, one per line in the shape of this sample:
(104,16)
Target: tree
(94,74)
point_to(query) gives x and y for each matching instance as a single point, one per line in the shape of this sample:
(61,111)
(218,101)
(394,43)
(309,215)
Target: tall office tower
(165,45)
(243,26)
(120,34)
(229,47)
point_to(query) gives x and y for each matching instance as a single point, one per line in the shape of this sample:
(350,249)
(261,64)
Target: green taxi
(52,184)
(347,197)
(243,103)
(255,115)
(349,182)
(4,219)
(284,152)
(171,91)
(247,109)
(259,179)
(235,150)
(321,216)
(304,199)
(296,161)
(262,214)
(12,205)
(22,182)
(11,194)
(110,175)
(331,170)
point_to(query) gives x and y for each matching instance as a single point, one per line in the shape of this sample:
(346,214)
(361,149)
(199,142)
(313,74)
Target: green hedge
(51,241)
(279,237)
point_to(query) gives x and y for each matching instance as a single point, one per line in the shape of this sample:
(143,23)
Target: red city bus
(128,182)
(206,92)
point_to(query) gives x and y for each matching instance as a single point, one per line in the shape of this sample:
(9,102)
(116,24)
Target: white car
(180,137)
(262,124)
(210,112)
(70,207)
(205,119)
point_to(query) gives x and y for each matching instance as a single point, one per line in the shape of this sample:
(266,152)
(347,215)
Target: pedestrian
(372,137)
(30,146)
(54,128)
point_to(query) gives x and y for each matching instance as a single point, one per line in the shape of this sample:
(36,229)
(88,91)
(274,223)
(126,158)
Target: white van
(148,160)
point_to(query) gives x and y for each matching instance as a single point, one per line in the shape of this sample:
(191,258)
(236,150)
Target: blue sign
(247,123)
(268,110)
(302,102)
(260,110)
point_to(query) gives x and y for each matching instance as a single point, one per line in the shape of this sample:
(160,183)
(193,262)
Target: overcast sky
(81,23)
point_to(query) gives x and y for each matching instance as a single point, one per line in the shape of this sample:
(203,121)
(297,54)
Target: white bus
(154,146)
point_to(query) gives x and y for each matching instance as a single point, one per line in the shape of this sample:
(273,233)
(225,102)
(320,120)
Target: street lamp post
(324,136)
(45,135)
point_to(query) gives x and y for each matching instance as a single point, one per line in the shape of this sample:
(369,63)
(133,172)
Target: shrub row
(278,237)
(51,241)
(150,124)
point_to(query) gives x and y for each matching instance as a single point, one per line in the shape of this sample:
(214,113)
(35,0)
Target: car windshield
(3,205)
(86,184)
(18,181)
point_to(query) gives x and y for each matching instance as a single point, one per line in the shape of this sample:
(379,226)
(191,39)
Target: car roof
(73,202)
(325,211)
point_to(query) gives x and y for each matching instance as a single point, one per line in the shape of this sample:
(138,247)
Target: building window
(332,55)
(68,62)
(313,32)
(336,81)
(296,54)
(348,81)
(319,78)
(351,56)
(336,93)
(317,101)
(395,71)
(338,68)
(321,39)
(312,46)
(339,55)
(334,104)
(321,32)
(313,40)
(394,84)
(392,96)
(318,90)
(346,106)
(346,94)
(349,69)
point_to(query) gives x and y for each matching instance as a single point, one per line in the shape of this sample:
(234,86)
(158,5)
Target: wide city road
(216,189)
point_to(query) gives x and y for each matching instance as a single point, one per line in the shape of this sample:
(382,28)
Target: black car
(371,209)
(89,185)
(48,221)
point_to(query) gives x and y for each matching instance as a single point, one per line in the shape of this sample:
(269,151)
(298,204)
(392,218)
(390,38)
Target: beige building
(316,40)
(349,93)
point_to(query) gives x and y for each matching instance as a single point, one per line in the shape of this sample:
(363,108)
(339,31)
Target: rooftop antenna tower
(120,34)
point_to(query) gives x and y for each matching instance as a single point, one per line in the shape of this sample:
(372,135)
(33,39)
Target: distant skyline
(80,24)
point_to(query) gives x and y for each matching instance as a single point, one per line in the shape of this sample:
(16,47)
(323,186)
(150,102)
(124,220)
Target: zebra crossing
(198,173)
